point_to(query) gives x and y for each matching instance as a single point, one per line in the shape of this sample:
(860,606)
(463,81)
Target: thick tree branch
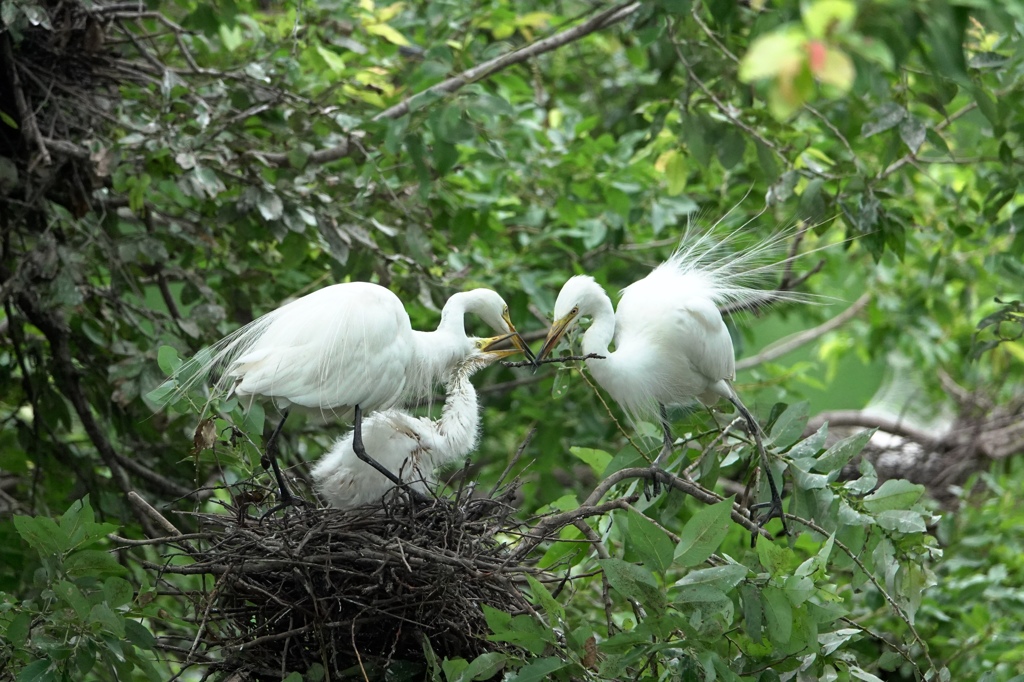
(791,343)
(53,327)
(28,119)
(870,421)
(476,73)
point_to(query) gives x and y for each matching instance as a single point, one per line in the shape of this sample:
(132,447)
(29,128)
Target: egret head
(577,299)
(492,309)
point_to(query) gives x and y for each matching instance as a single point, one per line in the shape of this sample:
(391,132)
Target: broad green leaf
(771,53)
(650,542)
(886,116)
(74,598)
(902,520)
(597,459)
(168,360)
(93,563)
(773,558)
(522,630)
(43,534)
(484,667)
(893,494)
(703,533)
(551,607)
(333,60)
(388,33)
(790,425)
(836,457)
(635,582)
(778,614)
(828,17)
(138,635)
(36,671)
(722,577)
(539,670)
(697,594)
(18,629)
(117,592)
(101,615)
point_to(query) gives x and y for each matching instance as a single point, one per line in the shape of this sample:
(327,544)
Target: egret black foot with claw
(285,503)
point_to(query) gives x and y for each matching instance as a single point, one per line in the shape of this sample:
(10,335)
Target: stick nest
(352,590)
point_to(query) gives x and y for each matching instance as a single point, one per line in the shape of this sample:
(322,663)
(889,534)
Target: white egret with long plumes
(413,448)
(671,345)
(345,350)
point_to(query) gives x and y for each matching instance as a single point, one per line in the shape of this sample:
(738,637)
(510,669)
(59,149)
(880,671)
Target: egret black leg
(666,450)
(360,450)
(269,460)
(774,506)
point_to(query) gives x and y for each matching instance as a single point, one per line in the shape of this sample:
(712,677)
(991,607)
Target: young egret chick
(413,448)
(671,344)
(344,350)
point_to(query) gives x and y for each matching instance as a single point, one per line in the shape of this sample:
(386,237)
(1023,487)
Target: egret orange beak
(489,345)
(518,340)
(555,334)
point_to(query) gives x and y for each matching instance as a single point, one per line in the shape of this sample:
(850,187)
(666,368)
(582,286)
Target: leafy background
(194,165)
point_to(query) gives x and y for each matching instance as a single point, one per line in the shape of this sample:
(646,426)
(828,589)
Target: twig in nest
(563,359)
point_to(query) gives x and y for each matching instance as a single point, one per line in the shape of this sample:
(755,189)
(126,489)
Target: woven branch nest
(352,590)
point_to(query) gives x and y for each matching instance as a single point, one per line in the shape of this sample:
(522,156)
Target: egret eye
(575,310)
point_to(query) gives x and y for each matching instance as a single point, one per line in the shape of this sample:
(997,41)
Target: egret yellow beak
(517,340)
(555,334)
(489,345)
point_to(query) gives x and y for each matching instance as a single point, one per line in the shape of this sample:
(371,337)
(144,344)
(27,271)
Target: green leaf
(597,459)
(634,582)
(117,592)
(74,598)
(332,59)
(551,607)
(562,382)
(836,457)
(138,634)
(650,542)
(36,671)
(723,577)
(902,520)
(109,621)
(885,117)
(93,563)
(522,630)
(790,425)
(538,670)
(771,53)
(774,558)
(8,121)
(18,629)
(168,360)
(893,494)
(676,172)
(389,34)
(484,667)
(43,534)
(703,533)
(778,614)
(828,17)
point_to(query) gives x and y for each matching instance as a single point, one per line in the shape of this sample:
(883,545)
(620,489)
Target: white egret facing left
(411,447)
(344,350)
(671,344)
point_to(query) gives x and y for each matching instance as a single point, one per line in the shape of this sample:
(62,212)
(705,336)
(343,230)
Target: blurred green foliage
(249,156)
